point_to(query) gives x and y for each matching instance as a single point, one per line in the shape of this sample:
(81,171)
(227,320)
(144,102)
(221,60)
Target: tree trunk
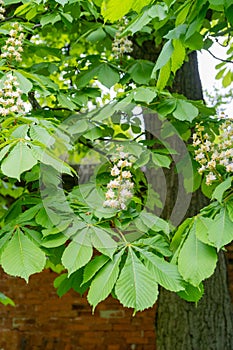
(208,326)
(181,325)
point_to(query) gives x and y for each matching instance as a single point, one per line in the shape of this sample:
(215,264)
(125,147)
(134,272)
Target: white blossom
(216,153)
(10,97)
(210,178)
(121,45)
(119,189)
(13,47)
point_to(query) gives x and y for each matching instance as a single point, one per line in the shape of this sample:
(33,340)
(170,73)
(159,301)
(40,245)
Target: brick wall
(43,321)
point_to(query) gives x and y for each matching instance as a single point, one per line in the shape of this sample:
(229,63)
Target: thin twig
(218,58)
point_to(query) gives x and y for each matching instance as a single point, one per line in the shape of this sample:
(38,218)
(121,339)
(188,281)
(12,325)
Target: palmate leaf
(104,281)
(220,230)
(93,267)
(165,273)
(78,253)
(102,241)
(48,158)
(197,260)
(185,110)
(113,10)
(20,159)
(135,286)
(22,257)
(220,189)
(192,293)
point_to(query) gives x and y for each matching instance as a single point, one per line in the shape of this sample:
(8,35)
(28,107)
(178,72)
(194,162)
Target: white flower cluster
(120,188)
(10,97)
(214,155)
(121,45)
(2,10)
(13,48)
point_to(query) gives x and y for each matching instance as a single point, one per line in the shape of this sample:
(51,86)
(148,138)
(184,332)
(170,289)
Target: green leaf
(42,135)
(164,76)
(77,254)
(20,159)
(135,288)
(176,33)
(97,35)
(167,106)
(164,273)
(220,189)
(146,221)
(62,2)
(164,57)
(47,158)
(22,257)
(202,229)
(161,160)
(86,76)
(102,241)
(93,267)
(108,76)
(178,55)
(141,71)
(113,10)
(157,243)
(29,214)
(20,132)
(144,94)
(192,293)
(6,300)
(229,13)
(50,18)
(6,149)
(229,205)
(196,261)
(104,281)
(54,241)
(182,13)
(43,219)
(24,84)
(185,110)
(227,79)
(221,229)
(139,22)
(138,5)
(195,41)
(79,127)
(64,101)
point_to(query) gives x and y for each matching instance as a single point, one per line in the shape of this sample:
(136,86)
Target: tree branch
(34,103)
(218,58)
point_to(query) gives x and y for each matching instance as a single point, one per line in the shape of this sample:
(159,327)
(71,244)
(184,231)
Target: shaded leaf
(93,267)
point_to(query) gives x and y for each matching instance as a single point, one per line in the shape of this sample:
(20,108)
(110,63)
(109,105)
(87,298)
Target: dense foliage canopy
(74,93)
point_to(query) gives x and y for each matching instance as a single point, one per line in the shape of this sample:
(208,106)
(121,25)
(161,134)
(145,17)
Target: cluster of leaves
(66,64)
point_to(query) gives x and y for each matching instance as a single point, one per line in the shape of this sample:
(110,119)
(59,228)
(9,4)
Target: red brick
(43,321)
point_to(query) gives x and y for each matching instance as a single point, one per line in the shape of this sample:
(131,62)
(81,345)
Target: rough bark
(179,324)
(185,326)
